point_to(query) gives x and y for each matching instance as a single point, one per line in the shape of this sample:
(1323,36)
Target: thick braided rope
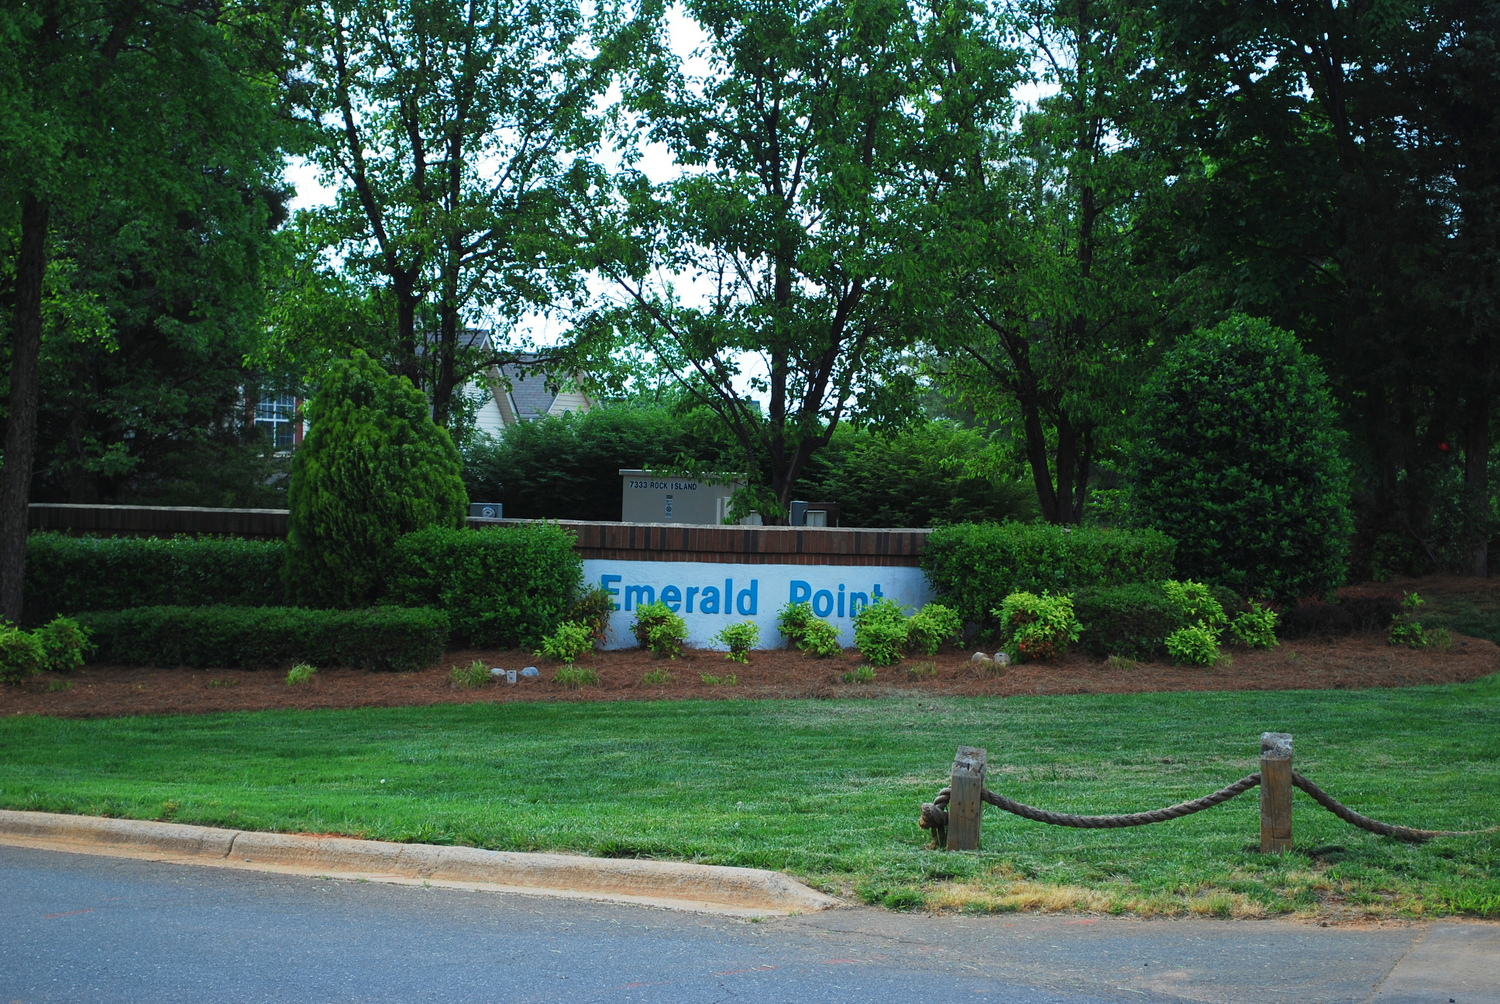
(1224,794)
(1353,818)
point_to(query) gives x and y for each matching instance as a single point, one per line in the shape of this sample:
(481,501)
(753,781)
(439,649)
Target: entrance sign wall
(710,595)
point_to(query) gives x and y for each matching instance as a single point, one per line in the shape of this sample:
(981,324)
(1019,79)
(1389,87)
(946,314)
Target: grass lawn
(829,790)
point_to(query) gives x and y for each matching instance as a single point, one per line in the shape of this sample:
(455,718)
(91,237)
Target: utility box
(654,498)
(486,510)
(813,513)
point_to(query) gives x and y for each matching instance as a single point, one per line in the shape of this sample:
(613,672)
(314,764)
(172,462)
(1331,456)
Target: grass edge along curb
(677,885)
(379,638)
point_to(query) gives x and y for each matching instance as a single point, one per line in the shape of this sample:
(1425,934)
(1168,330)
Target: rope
(934,815)
(1239,787)
(1353,818)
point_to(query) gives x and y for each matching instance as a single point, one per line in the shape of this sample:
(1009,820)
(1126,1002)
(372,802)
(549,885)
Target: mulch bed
(1355,662)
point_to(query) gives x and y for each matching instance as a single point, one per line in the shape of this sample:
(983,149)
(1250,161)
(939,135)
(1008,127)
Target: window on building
(277,417)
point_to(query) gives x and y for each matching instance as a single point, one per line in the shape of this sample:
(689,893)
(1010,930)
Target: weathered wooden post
(1275,792)
(966,804)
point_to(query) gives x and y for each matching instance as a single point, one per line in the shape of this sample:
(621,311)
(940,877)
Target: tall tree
(810,152)
(1052,293)
(457,133)
(123,108)
(1346,191)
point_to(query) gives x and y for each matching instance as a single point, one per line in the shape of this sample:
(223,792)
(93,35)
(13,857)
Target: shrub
(658,677)
(1313,618)
(930,627)
(373,467)
(821,639)
(502,587)
(1238,459)
(739,639)
(880,631)
(67,574)
(1255,628)
(793,621)
(567,644)
(573,677)
(1037,627)
(382,638)
(1196,644)
(922,670)
(973,567)
(1407,630)
(592,608)
(859,674)
(65,645)
(732,680)
(659,629)
(1130,620)
(300,674)
(1195,603)
(21,654)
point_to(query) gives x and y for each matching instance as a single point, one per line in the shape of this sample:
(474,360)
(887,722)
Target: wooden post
(965,804)
(1275,793)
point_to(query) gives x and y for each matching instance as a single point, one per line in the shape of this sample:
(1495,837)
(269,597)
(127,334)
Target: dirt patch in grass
(634,674)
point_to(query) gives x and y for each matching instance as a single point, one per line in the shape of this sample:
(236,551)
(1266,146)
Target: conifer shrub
(372,468)
(1237,458)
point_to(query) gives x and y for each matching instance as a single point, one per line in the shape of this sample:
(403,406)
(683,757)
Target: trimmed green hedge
(974,566)
(1130,620)
(65,575)
(386,638)
(507,587)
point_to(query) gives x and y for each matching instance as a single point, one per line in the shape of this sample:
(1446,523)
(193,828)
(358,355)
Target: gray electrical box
(813,513)
(646,497)
(486,510)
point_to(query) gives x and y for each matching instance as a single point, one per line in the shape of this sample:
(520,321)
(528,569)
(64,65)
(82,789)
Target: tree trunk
(1477,490)
(20,427)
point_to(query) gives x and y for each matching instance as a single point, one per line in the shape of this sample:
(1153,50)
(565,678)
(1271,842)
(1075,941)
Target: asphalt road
(82,928)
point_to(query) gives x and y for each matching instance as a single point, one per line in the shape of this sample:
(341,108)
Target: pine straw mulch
(1351,662)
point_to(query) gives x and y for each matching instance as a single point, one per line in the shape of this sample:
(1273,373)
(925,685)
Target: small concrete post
(965,801)
(1275,793)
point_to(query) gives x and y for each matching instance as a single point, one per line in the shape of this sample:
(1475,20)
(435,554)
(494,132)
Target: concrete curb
(699,888)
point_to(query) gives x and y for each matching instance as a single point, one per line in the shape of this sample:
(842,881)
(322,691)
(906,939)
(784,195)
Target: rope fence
(954,814)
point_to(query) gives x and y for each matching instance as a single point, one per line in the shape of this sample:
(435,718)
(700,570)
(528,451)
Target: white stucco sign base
(710,595)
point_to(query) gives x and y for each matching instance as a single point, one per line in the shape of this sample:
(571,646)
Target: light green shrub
(1195,644)
(299,674)
(568,643)
(860,674)
(1036,627)
(1255,628)
(659,629)
(65,645)
(880,631)
(821,639)
(932,626)
(21,654)
(739,639)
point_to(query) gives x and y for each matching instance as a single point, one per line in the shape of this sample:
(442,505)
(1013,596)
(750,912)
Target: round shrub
(1237,459)
(373,467)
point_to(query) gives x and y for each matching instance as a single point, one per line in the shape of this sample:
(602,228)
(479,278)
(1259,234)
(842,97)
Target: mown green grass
(829,790)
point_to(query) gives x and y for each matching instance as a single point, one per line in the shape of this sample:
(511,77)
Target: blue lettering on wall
(729,601)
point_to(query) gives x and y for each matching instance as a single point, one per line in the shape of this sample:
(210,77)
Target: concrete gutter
(743,892)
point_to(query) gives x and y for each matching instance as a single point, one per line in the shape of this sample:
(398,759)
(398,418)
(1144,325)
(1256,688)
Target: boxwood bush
(67,574)
(383,638)
(1130,620)
(508,587)
(973,567)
